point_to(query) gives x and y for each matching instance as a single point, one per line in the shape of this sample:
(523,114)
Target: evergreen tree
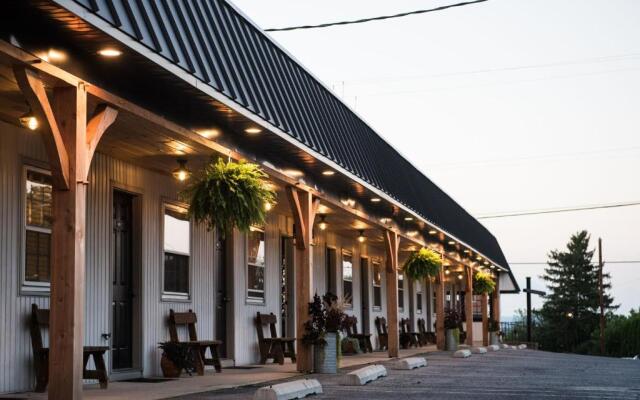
(571,311)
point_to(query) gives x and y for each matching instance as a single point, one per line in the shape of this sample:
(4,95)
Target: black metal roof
(215,43)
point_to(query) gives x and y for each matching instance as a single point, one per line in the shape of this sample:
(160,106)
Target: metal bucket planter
(325,358)
(494,338)
(452,337)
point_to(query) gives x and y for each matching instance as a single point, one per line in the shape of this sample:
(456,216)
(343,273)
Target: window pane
(255,247)
(176,273)
(377,275)
(347,278)
(176,232)
(38,199)
(419,302)
(37,251)
(400,281)
(255,282)
(377,296)
(400,291)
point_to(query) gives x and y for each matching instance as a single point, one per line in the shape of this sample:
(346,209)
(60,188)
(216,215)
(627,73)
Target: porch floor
(211,381)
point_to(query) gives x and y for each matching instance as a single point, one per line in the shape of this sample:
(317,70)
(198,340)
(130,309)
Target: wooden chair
(40,318)
(383,336)
(408,338)
(273,347)
(189,320)
(423,335)
(364,339)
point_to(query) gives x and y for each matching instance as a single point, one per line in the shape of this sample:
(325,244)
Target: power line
(559,210)
(606,262)
(363,20)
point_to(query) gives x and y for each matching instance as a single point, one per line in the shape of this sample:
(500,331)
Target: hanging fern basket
(229,195)
(422,264)
(483,283)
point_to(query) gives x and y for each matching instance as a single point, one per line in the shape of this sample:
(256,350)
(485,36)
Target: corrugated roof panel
(216,44)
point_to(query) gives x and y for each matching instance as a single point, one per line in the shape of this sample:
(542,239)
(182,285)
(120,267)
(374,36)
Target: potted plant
(176,357)
(483,283)
(494,332)
(327,318)
(230,195)
(452,329)
(422,264)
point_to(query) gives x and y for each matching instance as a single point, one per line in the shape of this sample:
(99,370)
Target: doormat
(148,380)
(241,367)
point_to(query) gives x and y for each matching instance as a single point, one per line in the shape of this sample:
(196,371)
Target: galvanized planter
(325,358)
(494,338)
(452,337)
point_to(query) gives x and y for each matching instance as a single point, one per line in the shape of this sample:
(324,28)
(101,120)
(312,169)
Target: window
(347,279)
(401,292)
(177,250)
(377,286)
(255,265)
(419,298)
(477,307)
(37,224)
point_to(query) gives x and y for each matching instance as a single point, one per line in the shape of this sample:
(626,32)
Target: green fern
(483,283)
(229,195)
(421,264)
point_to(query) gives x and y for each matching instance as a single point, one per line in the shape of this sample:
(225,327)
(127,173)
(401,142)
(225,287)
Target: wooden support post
(392,242)
(485,319)
(303,208)
(64,132)
(440,282)
(468,305)
(495,300)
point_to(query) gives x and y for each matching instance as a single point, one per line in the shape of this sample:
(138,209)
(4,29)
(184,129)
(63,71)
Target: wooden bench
(383,336)
(408,338)
(273,347)
(189,320)
(40,318)
(364,339)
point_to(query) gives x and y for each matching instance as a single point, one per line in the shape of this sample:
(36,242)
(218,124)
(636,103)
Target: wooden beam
(68,251)
(392,243)
(495,300)
(103,117)
(485,319)
(468,305)
(304,208)
(33,89)
(440,282)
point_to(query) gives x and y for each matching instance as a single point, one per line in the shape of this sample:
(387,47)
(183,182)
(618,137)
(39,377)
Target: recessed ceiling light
(208,133)
(253,130)
(467,251)
(328,172)
(478,258)
(385,220)
(412,233)
(376,199)
(452,242)
(294,173)
(433,232)
(408,218)
(109,52)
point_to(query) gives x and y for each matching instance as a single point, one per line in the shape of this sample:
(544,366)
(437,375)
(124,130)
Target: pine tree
(571,310)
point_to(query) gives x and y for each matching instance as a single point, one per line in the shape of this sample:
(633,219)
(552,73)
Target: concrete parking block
(478,350)
(364,375)
(464,353)
(289,390)
(409,363)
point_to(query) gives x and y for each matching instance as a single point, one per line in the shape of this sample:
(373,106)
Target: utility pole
(601,284)
(530,291)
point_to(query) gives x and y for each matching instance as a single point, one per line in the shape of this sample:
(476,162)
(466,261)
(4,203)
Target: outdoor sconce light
(361,237)
(447,272)
(182,173)
(268,206)
(569,315)
(323,223)
(460,276)
(29,121)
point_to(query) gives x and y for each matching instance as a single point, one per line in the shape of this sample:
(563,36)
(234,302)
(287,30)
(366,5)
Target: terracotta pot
(169,369)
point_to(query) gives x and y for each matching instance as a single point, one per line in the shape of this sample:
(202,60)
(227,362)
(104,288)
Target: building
(122,90)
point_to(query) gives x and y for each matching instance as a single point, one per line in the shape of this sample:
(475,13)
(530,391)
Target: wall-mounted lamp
(323,222)
(361,237)
(181,173)
(29,121)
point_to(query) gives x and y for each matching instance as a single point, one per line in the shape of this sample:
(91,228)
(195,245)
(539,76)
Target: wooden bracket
(33,89)
(103,117)
(391,245)
(304,215)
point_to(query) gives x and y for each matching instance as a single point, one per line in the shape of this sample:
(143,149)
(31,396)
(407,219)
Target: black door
(221,294)
(122,309)
(364,290)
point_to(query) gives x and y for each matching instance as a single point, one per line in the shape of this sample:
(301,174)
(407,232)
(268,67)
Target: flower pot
(452,337)
(169,369)
(494,338)
(325,357)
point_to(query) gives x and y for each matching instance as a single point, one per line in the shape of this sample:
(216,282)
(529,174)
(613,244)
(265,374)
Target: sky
(508,105)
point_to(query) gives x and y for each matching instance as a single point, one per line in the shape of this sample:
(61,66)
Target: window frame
(378,264)
(418,297)
(31,287)
(401,292)
(170,296)
(250,299)
(349,254)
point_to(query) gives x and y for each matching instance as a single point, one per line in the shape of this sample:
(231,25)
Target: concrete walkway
(506,374)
